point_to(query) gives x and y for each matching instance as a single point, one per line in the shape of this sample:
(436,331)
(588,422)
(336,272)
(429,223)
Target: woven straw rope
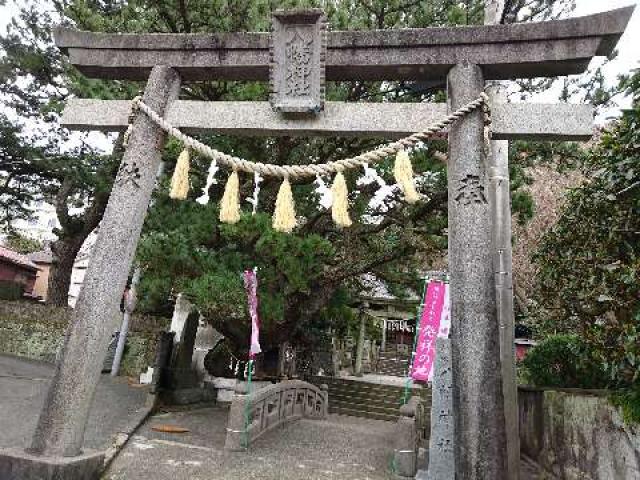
(311,170)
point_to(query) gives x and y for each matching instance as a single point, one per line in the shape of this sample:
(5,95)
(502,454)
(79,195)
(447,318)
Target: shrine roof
(520,50)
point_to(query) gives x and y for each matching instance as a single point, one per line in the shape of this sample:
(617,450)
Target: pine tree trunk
(64,255)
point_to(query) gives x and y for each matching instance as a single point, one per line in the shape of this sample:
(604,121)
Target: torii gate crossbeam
(544,49)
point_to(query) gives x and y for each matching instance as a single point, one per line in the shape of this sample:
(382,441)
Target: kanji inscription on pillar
(128,172)
(298,47)
(470,189)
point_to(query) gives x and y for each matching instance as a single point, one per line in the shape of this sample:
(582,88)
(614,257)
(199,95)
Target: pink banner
(251,287)
(429,328)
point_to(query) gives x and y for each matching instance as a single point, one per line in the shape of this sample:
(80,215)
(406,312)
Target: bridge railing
(252,415)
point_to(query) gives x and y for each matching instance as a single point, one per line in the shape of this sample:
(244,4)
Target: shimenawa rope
(310,170)
(284,218)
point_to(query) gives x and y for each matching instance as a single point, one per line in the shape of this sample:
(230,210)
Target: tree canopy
(307,278)
(590,260)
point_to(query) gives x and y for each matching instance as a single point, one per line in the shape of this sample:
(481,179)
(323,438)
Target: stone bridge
(270,407)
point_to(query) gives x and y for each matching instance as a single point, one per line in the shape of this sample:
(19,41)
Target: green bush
(11,290)
(628,401)
(563,361)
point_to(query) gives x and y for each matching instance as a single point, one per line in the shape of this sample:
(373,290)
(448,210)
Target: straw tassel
(180,179)
(403,172)
(284,217)
(230,203)
(339,209)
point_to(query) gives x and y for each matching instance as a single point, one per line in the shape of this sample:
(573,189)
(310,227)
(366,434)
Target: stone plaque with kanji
(298,47)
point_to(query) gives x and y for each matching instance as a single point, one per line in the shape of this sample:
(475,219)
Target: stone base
(183,396)
(17,464)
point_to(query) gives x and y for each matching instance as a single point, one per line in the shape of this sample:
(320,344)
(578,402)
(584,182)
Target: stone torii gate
(464,58)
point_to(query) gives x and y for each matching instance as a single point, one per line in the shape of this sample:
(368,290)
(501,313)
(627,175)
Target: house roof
(16,258)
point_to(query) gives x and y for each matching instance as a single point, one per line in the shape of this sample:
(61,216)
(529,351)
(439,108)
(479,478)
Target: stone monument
(442,441)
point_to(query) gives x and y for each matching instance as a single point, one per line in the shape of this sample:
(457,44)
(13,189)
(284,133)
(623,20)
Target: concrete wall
(578,435)
(42,281)
(36,331)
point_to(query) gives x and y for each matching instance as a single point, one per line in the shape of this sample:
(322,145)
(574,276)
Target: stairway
(363,399)
(392,362)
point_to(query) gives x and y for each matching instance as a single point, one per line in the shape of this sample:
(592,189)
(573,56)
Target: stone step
(397,370)
(371,394)
(390,373)
(365,405)
(368,398)
(393,353)
(344,382)
(358,413)
(389,402)
(364,397)
(393,366)
(375,389)
(350,405)
(391,358)
(393,361)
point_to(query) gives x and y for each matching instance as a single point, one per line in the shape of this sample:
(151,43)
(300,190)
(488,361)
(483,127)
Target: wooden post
(478,404)
(62,422)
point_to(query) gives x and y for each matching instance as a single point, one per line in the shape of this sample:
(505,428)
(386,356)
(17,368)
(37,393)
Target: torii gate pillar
(57,447)
(479,421)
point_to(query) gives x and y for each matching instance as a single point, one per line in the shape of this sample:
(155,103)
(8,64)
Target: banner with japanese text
(434,322)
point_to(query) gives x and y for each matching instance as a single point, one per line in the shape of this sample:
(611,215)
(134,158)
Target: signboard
(298,50)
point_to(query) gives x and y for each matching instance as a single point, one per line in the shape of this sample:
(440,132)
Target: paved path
(23,386)
(341,447)
(337,448)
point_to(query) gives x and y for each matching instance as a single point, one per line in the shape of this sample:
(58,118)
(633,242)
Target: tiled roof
(16,258)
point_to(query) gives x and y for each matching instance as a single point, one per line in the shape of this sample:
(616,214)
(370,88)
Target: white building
(40,226)
(80,268)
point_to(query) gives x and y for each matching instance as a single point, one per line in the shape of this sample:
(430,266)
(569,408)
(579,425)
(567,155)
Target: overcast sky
(628,48)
